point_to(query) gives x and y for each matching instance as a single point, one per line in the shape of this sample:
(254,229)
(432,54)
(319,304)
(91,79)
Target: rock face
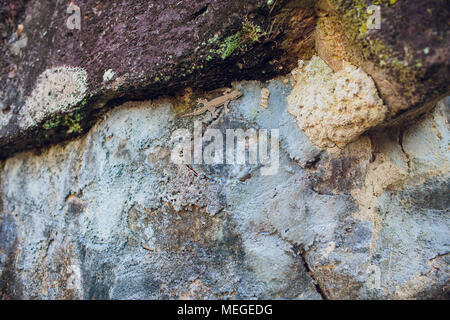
(109,215)
(134,49)
(318,183)
(401,44)
(334,109)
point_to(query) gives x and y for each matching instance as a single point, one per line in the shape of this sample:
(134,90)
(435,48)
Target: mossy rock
(205,44)
(407,54)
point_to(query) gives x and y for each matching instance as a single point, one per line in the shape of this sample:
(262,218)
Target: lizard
(212,105)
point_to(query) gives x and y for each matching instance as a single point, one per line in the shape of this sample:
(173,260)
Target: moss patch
(70,122)
(241,41)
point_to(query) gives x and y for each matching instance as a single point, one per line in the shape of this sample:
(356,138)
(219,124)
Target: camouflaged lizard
(212,105)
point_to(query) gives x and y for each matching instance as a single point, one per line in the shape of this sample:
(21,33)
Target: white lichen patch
(108,75)
(57,90)
(333,109)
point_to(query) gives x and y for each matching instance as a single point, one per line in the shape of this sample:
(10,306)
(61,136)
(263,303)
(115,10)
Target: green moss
(229,45)
(240,41)
(395,62)
(252,32)
(71,122)
(51,124)
(357,18)
(385,2)
(353,19)
(357,15)
(213,39)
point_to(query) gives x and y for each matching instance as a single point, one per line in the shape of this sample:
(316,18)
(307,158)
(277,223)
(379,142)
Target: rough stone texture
(406,57)
(357,206)
(136,50)
(334,109)
(55,88)
(403,201)
(109,216)
(121,221)
(140,50)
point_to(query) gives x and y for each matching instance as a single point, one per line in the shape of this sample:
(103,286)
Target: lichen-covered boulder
(111,51)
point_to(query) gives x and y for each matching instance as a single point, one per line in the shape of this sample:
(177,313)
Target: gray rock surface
(110,216)
(102,197)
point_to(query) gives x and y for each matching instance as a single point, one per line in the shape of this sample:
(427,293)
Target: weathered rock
(115,214)
(127,53)
(334,109)
(402,250)
(170,235)
(133,50)
(109,216)
(405,53)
